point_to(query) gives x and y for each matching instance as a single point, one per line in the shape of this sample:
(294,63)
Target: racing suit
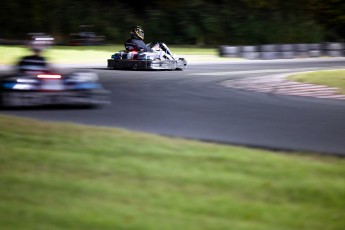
(32,63)
(137,45)
(161,49)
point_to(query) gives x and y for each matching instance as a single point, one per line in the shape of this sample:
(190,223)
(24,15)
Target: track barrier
(284,51)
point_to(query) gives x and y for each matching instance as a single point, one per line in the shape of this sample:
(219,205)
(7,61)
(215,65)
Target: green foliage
(201,22)
(331,78)
(63,176)
(330,14)
(9,55)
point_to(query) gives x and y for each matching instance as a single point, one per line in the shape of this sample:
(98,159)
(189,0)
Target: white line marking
(250,72)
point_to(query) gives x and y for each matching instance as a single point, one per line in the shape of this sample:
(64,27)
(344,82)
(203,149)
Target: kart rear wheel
(181,64)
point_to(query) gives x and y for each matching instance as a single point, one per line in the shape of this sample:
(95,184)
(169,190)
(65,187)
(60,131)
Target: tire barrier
(249,52)
(335,49)
(284,51)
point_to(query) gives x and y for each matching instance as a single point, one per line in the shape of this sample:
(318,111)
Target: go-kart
(160,59)
(49,88)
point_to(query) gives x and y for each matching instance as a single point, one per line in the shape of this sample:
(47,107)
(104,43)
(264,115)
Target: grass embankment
(90,54)
(332,78)
(64,176)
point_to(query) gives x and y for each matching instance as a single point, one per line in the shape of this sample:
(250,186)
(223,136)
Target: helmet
(137,32)
(39,42)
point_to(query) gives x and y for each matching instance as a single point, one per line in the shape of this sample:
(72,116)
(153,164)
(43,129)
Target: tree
(330,14)
(202,22)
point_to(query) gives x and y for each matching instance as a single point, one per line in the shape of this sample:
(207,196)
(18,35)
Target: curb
(278,84)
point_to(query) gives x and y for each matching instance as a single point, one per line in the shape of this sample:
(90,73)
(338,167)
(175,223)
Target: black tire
(181,64)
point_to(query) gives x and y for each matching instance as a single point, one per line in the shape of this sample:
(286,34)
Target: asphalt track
(193,104)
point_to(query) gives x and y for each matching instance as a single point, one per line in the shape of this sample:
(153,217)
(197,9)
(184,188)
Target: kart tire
(181,64)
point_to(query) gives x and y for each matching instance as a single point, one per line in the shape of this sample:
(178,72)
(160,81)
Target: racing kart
(49,88)
(160,59)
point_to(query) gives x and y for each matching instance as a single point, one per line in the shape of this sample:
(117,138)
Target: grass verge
(332,78)
(66,176)
(9,55)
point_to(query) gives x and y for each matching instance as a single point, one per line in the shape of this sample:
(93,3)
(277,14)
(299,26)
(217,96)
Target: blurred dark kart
(48,88)
(160,59)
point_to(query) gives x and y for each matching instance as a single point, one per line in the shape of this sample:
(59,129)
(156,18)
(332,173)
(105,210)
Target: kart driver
(136,42)
(34,62)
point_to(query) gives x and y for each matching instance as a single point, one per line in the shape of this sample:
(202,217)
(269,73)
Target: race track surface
(194,104)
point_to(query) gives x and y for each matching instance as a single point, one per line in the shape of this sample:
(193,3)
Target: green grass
(66,176)
(332,78)
(90,54)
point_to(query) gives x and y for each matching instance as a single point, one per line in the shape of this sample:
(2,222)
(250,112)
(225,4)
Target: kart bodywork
(160,59)
(45,88)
